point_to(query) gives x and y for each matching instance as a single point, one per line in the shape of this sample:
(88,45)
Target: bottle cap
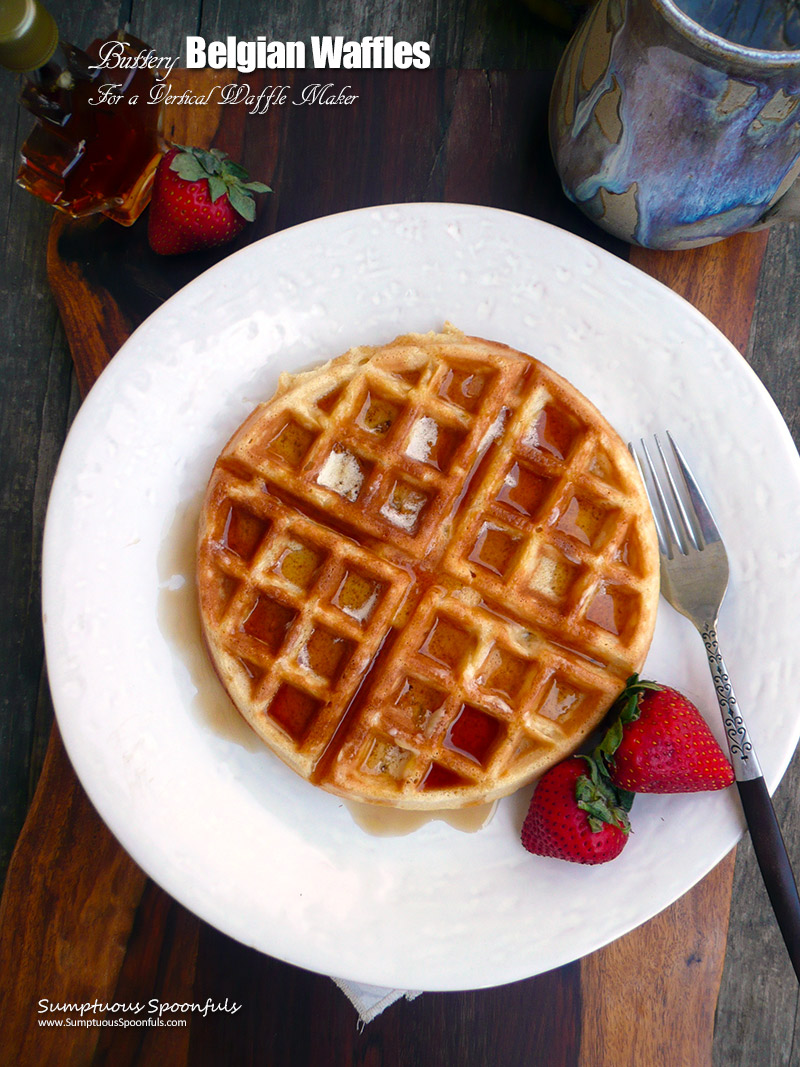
(28,35)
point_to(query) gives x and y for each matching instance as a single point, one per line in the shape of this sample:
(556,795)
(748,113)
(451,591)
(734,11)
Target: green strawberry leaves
(601,800)
(626,707)
(188,167)
(242,202)
(224,177)
(595,792)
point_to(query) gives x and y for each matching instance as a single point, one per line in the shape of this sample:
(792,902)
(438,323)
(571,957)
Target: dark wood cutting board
(79,921)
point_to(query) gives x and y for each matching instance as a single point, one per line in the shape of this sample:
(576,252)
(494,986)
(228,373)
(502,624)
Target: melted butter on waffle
(425,571)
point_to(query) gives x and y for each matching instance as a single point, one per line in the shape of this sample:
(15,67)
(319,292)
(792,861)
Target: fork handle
(765,833)
(776,870)
(743,756)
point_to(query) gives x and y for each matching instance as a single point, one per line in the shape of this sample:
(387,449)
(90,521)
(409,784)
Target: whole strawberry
(575,814)
(662,744)
(200,200)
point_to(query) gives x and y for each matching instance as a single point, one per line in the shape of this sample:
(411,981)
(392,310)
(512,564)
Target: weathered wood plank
(721,280)
(160,963)
(463,34)
(64,924)
(646,1008)
(526,1023)
(758,1019)
(71,893)
(35,409)
(34,413)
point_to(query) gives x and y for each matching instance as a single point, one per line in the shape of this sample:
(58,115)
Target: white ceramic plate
(211,815)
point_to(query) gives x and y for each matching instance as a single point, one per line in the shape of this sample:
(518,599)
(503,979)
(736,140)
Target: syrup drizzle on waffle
(426,571)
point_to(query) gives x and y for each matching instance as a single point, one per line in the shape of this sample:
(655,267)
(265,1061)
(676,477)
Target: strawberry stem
(595,792)
(224,177)
(626,707)
(602,801)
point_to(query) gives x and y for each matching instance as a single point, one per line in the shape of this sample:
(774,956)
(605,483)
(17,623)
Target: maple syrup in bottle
(97,139)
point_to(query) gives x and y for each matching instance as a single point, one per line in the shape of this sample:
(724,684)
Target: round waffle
(426,570)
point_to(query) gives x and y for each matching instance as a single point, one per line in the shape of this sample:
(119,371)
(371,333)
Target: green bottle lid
(28,34)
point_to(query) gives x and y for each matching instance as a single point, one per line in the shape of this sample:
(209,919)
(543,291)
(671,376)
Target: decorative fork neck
(743,757)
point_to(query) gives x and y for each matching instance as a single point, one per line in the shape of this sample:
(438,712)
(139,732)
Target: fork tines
(682,516)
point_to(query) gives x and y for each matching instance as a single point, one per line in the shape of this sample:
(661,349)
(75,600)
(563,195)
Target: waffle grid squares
(433,574)
(305,616)
(546,534)
(441,707)
(389,478)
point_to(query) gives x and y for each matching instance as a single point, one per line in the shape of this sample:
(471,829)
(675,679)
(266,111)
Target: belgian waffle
(425,571)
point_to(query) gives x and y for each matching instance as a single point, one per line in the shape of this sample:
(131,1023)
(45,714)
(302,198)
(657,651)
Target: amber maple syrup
(92,149)
(382,821)
(97,139)
(179,622)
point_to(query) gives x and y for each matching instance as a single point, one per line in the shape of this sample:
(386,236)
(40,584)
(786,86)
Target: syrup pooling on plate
(382,821)
(179,622)
(421,553)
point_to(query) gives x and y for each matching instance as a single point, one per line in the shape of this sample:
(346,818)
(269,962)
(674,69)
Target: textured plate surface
(206,810)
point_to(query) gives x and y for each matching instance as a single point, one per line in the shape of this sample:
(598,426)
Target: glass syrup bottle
(92,149)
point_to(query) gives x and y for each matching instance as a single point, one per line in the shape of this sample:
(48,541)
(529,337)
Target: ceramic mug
(674,127)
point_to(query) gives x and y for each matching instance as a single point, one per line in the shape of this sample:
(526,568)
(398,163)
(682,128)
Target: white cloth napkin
(370,1000)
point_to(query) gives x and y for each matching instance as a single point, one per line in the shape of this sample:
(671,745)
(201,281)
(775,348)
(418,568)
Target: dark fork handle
(776,870)
(758,810)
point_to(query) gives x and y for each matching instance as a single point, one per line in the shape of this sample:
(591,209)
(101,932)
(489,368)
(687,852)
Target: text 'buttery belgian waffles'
(426,570)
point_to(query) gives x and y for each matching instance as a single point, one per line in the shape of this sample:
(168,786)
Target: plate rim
(117,368)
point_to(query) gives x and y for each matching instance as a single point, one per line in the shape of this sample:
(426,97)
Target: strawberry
(200,200)
(576,814)
(661,743)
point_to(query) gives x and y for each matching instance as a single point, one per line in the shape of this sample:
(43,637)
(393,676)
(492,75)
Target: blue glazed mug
(672,126)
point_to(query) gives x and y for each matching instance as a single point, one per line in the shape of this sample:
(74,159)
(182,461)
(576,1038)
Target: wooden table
(79,920)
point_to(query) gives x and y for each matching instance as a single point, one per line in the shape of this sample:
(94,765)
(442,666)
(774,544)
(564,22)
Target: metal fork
(694,578)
